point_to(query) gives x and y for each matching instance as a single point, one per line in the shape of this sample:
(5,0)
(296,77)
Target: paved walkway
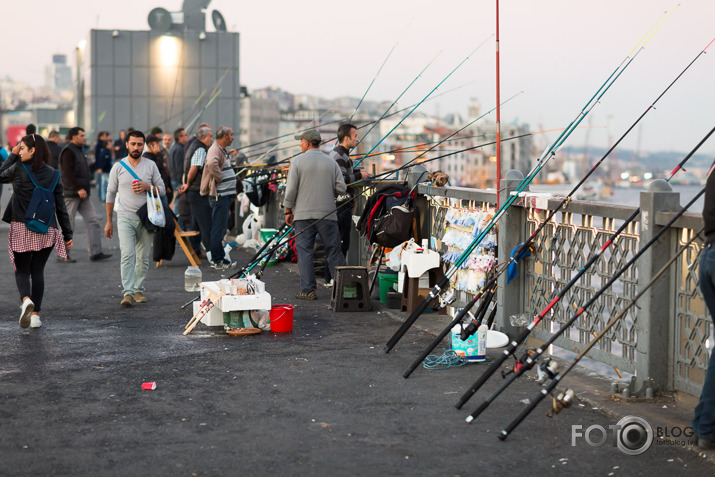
(322,400)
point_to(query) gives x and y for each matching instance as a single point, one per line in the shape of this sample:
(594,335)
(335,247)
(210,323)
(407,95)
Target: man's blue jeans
(304,243)
(704,420)
(219,222)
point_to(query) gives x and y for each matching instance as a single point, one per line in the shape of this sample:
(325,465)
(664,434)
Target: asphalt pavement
(321,400)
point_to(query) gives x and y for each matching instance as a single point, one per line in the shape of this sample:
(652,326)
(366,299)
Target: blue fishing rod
(422,101)
(546,155)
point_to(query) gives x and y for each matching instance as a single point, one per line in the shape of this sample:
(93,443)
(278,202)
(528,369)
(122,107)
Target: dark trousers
(304,243)
(30,274)
(704,419)
(200,219)
(345,216)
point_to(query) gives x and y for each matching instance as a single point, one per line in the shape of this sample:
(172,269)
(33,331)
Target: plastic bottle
(482,343)
(192,279)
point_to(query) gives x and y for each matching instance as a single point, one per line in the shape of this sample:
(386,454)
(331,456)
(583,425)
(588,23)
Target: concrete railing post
(653,321)
(512,229)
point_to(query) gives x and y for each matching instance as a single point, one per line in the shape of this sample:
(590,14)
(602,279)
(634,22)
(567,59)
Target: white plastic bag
(154,209)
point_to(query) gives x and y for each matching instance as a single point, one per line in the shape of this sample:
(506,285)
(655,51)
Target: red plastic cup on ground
(149,386)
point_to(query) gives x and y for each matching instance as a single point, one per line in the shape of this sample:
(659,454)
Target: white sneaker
(25,311)
(35,321)
(329,284)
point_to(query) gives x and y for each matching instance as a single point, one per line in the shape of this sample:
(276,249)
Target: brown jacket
(215,160)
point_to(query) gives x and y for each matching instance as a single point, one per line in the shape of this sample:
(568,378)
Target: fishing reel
(447,299)
(520,362)
(547,370)
(563,401)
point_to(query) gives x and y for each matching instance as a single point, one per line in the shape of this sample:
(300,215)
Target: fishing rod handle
(482,379)
(527,410)
(434,293)
(482,407)
(508,351)
(490,399)
(430,347)
(406,325)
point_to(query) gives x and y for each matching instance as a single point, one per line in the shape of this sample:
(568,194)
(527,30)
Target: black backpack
(42,204)
(388,216)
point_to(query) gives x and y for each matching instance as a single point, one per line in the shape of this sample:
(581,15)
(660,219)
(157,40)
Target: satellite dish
(160,19)
(218,20)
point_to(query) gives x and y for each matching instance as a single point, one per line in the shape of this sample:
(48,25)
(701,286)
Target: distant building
(260,120)
(175,74)
(58,75)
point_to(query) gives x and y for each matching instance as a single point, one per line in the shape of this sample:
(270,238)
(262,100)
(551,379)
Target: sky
(558,52)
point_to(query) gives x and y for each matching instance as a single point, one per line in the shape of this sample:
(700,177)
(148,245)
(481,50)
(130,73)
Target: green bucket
(267,234)
(387,283)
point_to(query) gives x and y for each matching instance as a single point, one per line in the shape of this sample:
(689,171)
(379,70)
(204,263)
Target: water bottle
(482,343)
(192,279)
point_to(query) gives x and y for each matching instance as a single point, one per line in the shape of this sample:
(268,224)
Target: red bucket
(282,318)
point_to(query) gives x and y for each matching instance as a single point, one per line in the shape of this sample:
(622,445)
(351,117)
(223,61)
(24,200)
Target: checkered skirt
(20,239)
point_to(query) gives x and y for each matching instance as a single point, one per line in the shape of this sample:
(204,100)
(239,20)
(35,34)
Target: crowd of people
(172,166)
(194,173)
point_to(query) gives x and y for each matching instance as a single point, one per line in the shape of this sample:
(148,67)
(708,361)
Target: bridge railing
(661,341)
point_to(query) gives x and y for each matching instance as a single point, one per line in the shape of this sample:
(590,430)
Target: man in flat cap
(314,180)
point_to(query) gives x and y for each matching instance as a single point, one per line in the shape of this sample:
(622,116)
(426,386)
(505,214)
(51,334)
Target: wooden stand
(205,307)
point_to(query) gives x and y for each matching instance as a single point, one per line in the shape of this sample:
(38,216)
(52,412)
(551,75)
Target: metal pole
(498,145)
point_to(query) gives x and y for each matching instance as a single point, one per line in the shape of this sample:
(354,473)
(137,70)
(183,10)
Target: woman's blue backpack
(42,205)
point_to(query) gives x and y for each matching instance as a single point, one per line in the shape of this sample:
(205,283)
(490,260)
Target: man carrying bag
(130,180)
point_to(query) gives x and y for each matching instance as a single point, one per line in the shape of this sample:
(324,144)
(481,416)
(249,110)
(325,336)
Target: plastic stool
(350,289)
(411,288)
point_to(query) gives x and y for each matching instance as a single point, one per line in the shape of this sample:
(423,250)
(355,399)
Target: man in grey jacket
(314,180)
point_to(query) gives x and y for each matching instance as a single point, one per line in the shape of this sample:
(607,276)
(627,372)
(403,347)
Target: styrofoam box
(260,301)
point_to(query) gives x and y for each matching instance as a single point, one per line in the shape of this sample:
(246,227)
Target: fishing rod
(423,99)
(378,72)
(560,401)
(545,156)
(212,96)
(512,347)
(375,123)
(203,109)
(527,243)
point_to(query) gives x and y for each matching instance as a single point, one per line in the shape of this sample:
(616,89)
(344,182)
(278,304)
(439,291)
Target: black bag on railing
(394,227)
